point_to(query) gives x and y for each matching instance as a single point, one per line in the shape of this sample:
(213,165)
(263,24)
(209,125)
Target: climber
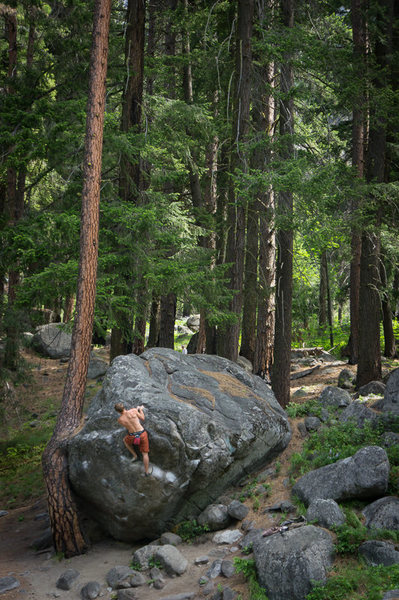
(137,436)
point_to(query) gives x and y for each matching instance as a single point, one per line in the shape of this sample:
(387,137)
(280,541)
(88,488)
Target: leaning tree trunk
(69,538)
(389,336)
(285,235)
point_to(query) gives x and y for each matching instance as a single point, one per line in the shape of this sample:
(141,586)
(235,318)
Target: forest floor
(36,399)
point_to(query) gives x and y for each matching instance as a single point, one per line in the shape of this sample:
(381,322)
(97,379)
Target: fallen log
(303,373)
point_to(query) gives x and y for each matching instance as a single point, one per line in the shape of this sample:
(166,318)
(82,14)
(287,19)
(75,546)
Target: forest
(249,174)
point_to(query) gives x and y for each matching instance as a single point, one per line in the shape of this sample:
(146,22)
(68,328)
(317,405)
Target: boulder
(325,512)
(193,322)
(289,565)
(376,552)
(334,397)
(8,583)
(358,413)
(345,379)
(391,595)
(171,559)
(363,475)
(376,388)
(90,591)
(391,395)
(66,579)
(208,420)
(237,510)
(215,516)
(97,368)
(383,514)
(52,340)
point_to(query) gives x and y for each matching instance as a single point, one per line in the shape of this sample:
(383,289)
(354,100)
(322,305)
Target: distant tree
(68,535)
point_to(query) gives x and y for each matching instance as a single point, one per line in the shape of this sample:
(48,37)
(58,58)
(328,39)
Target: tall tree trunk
(235,249)
(248,335)
(389,336)
(358,17)
(153,334)
(285,236)
(130,168)
(68,535)
(369,365)
(167,324)
(323,291)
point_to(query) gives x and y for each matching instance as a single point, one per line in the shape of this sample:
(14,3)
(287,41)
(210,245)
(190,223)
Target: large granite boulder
(363,475)
(209,422)
(391,395)
(289,565)
(383,514)
(52,340)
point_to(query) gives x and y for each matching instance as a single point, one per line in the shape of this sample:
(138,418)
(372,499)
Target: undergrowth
(246,566)
(189,530)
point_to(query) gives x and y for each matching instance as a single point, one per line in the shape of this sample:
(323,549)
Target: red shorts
(143,446)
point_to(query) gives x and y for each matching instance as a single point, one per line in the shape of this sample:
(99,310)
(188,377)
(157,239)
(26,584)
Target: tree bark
(285,236)
(235,248)
(389,336)
(358,17)
(153,334)
(167,324)
(68,535)
(323,291)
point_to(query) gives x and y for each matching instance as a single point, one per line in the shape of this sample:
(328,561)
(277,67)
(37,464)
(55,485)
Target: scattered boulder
(142,556)
(118,574)
(312,424)
(170,538)
(229,536)
(376,552)
(391,395)
(91,590)
(383,514)
(325,512)
(334,397)
(237,510)
(215,517)
(97,368)
(346,379)
(215,569)
(171,559)
(391,595)
(358,413)
(52,340)
(65,581)
(138,579)
(288,565)
(389,438)
(245,364)
(208,422)
(376,388)
(127,594)
(228,568)
(363,475)
(193,322)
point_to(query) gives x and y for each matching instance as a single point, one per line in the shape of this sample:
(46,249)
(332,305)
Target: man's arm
(140,413)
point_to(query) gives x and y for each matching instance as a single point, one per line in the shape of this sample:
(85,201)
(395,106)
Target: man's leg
(130,450)
(146,462)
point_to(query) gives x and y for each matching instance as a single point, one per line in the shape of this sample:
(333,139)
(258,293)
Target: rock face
(287,565)
(208,422)
(52,341)
(391,395)
(363,475)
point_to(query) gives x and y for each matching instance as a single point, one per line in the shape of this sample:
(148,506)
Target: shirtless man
(131,420)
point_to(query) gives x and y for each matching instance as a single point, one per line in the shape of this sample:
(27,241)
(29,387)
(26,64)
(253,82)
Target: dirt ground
(38,572)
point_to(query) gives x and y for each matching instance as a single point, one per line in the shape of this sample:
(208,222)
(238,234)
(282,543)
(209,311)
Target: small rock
(3,513)
(171,559)
(229,536)
(138,579)
(91,590)
(208,588)
(170,538)
(237,510)
(8,583)
(228,569)
(67,578)
(44,541)
(202,560)
(183,596)
(391,595)
(215,569)
(303,432)
(203,580)
(126,595)
(312,423)
(118,574)
(247,525)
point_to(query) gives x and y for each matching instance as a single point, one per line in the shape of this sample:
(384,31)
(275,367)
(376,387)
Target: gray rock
(208,422)
(246,544)
(383,514)
(3,513)
(312,423)
(245,364)
(118,574)
(142,556)
(345,379)
(128,594)
(391,595)
(202,560)
(8,583)
(215,569)
(97,368)
(44,541)
(157,577)
(302,429)
(325,512)
(288,565)
(193,322)
(182,596)
(52,340)
(389,439)
(391,395)
(373,387)
(227,568)
(334,397)
(229,536)
(171,559)
(377,552)
(228,594)
(215,516)
(358,413)
(138,580)
(66,579)
(208,588)
(363,475)
(170,538)
(91,590)
(237,510)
